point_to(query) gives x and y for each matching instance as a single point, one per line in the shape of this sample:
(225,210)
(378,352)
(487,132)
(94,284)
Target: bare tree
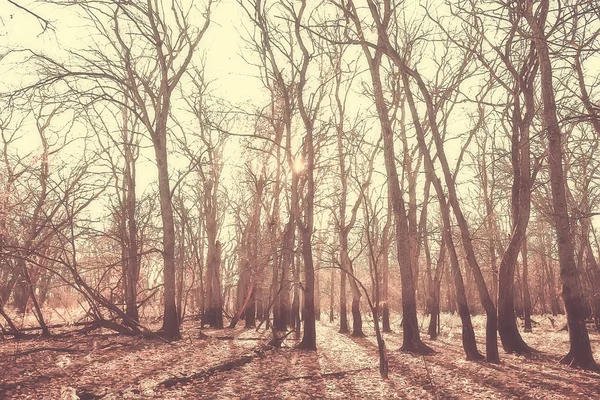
(411,337)
(309,111)
(343,224)
(580,352)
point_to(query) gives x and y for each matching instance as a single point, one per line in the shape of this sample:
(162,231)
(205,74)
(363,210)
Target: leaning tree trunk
(512,342)
(411,337)
(580,352)
(468,334)
(485,298)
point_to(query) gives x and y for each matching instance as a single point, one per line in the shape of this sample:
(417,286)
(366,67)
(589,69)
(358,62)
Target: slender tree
(580,352)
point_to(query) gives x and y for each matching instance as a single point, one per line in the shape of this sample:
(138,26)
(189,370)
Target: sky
(232,78)
(229,75)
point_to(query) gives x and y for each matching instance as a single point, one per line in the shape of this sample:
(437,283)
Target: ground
(237,363)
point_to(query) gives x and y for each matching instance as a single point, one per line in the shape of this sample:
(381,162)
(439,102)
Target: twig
(430,378)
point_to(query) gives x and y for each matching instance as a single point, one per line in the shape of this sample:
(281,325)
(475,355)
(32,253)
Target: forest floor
(236,363)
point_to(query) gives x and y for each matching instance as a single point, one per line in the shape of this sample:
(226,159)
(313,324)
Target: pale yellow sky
(232,78)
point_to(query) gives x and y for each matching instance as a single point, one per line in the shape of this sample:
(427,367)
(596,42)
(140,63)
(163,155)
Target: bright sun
(298,165)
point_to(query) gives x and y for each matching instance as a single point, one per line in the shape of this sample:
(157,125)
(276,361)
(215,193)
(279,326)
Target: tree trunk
(132,273)
(580,352)
(289,237)
(488,195)
(295,322)
(170,323)
(213,314)
(260,305)
(309,337)
(526,295)
(250,311)
(411,338)
(344,226)
(468,334)
(434,315)
(181,272)
(306,227)
(20,294)
(356,295)
(512,342)
(331,297)
(343,304)
(486,300)
(385,267)
(317,292)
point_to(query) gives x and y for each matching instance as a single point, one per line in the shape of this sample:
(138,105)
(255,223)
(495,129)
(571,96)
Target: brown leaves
(116,367)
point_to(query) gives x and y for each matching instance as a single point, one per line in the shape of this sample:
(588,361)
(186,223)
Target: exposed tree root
(586,364)
(277,339)
(475,356)
(226,366)
(84,394)
(419,348)
(306,346)
(55,349)
(20,335)
(338,374)
(203,336)
(521,348)
(233,338)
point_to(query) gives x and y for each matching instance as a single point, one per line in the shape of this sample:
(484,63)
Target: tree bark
(512,342)
(526,294)
(411,337)
(133,263)
(213,314)
(434,320)
(580,352)
(331,297)
(170,326)
(468,334)
(343,304)
(318,290)
(306,227)
(486,300)
(385,271)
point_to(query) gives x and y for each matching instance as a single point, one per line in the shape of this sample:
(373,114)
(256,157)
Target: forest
(299,199)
